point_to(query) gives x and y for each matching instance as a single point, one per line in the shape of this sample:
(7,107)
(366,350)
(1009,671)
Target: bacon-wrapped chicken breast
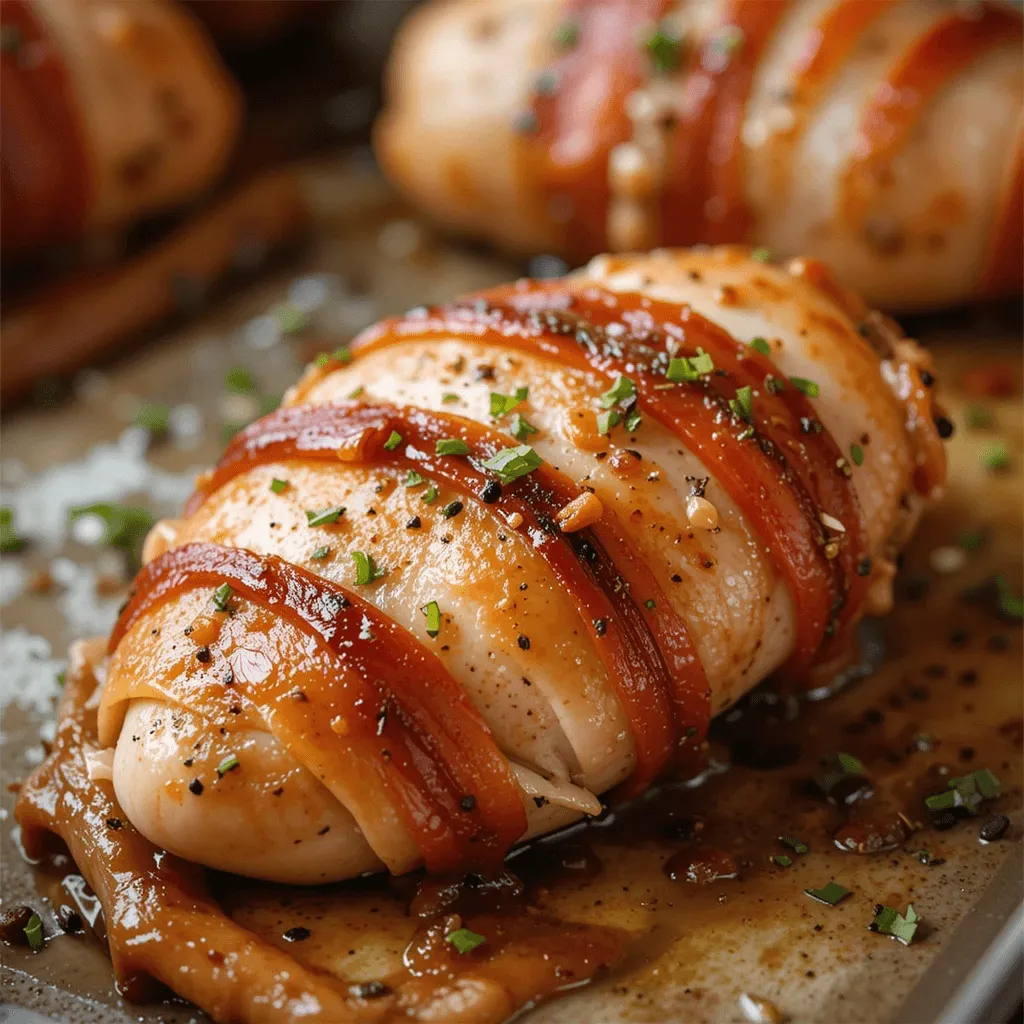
(880,136)
(112,109)
(507,555)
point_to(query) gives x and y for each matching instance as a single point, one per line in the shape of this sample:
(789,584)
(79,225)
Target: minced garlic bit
(832,523)
(582,511)
(948,559)
(515,520)
(702,514)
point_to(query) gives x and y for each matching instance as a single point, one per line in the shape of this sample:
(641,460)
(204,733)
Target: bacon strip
(649,657)
(782,499)
(944,51)
(402,715)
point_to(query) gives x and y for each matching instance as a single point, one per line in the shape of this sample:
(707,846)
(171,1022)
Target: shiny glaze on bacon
(703,200)
(782,476)
(648,653)
(44,182)
(393,710)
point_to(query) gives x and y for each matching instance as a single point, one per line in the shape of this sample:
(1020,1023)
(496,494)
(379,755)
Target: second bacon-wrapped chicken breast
(509,554)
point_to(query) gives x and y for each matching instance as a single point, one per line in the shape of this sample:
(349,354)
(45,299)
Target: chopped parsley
(888,921)
(608,421)
(633,419)
(355,392)
(430,494)
(857,454)
(501,404)
(229,764)
(782,860)
(290,319)
(126,526)
(449,396)
(277,486)
(837,767)
(320,554)
(682,368)
(366,568)
(324,516)
(521,428)
(464,940)
(34,932)
(9,539)
(973,541)
(511,463)
(1011,605)
(451,446)
(240,380)
(796,845)
(663,50)
(393,441)
(622,390)
(762,255)
(996,457)
(808,387)
(221,597)
(567,35)
(413,479)
(153,416)
(743,404)
(762,346)
(830,893)
(979,417)
(967,792)
(433,614)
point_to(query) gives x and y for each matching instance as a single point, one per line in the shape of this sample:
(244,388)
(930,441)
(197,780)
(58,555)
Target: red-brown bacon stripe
(951,45)
(650,659)
(783,476)
(45,182)
(405,717)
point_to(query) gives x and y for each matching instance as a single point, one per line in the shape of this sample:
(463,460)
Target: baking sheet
(369,257)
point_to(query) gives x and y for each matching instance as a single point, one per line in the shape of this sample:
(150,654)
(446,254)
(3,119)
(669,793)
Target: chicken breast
(882,137)
(227,715)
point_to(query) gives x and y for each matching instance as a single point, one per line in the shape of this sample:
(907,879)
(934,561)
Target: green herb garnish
(221,597)
(290,319)
(996,457)
(979,417)
(453,508)
(126,525)
(464,940)
(229,764)
(430,494)
(355,392)
(796,845)
(682,369)
(663,49)
(324,516)
(34,932)
(393,441)
(240,381)
(973,541)
(608,421)
(1011,605)
(620,391)
(451,446)
(830,893)
(782,860)
(449,396)
(633,420)
(743,404)
(320,554)
(762,255)
(762,346)
(520,427)
(511,463)
(857,454)
(433,614)
(966,791)
(567,35)
(503,404)
(152,416)
(888,921)
(9,539)
(277,486)
(366,569)
(808,387)
(413,479)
